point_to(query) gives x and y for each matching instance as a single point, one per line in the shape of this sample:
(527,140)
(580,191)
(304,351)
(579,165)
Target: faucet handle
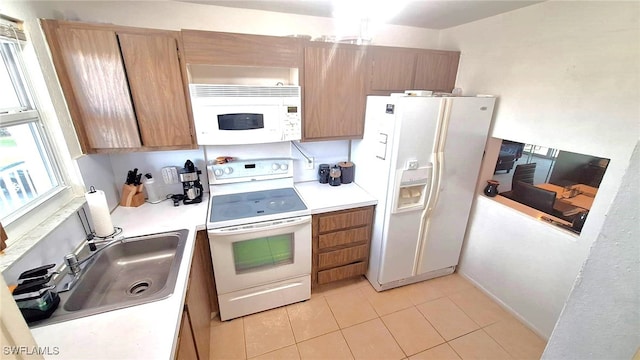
(71,260)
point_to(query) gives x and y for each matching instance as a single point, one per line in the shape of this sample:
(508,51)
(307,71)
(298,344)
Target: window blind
(11,28)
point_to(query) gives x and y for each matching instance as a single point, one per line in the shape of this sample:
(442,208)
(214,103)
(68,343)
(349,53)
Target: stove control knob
(228,170)
(275,166)
(284,167)
(217,172)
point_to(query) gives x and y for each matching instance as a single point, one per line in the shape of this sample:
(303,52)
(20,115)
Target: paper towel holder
(98,201)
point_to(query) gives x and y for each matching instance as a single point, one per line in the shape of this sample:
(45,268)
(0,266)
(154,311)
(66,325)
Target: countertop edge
(343,207)
(323,198)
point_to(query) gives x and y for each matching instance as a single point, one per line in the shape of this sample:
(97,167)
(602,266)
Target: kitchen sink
(131,272)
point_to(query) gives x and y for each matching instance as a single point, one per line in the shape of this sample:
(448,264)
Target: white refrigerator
(421,157)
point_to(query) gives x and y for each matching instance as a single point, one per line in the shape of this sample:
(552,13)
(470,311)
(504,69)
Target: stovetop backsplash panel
(323,152)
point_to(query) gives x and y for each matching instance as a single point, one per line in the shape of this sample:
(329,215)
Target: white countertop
(324,197)
(147,331)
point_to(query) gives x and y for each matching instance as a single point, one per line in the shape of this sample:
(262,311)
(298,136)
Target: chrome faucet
(73,264)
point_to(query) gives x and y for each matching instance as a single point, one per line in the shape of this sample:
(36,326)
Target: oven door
(250,255)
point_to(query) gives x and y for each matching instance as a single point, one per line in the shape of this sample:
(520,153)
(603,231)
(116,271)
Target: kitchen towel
(99,209)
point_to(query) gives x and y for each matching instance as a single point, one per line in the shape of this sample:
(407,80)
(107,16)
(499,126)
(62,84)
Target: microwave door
(239,124)
(241,121)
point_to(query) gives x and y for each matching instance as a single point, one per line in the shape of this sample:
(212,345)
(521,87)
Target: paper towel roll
(99,210)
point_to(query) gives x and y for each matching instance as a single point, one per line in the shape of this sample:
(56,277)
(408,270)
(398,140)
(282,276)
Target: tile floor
(443,318)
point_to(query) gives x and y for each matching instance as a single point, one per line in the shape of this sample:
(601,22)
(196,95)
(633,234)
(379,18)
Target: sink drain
(139,287)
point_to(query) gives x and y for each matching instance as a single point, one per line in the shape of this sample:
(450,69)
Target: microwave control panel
(292,124)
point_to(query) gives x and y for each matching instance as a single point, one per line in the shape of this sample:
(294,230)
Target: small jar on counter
(323,173)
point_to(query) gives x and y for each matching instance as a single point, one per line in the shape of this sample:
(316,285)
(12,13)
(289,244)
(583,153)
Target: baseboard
(506,307)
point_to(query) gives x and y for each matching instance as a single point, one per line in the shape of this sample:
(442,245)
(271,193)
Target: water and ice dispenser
(412,190)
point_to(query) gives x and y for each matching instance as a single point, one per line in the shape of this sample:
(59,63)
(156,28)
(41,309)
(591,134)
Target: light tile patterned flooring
(443,318)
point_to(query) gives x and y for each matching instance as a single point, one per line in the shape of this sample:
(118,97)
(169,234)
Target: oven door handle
(267,225)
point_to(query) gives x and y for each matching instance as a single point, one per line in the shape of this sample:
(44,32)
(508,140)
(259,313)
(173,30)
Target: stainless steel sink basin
(137,270)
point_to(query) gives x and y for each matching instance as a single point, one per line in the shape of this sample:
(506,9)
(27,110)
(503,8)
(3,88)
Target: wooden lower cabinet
(186,344)
(198,304)
(341,241)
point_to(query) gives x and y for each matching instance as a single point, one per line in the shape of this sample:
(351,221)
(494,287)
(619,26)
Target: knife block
(132,195)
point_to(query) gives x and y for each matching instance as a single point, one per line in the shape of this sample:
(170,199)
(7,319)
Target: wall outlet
(308,163)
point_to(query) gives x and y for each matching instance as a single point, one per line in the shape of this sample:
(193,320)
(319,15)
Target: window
(28,170)
(560,183)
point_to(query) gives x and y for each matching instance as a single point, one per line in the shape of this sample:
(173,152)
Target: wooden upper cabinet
(125,87)
(220,48)
(96,74)
(398,69)
(436,70)
(155,80)
(391,69)
(334,92)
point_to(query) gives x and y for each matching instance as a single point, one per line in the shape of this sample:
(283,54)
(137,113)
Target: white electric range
(260,235)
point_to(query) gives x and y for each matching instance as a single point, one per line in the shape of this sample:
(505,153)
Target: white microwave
(246,114)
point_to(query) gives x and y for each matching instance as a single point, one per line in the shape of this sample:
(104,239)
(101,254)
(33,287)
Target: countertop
(324,197)
(149,331)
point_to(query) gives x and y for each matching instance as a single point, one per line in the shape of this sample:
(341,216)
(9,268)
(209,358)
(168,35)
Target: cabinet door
(197,301)
(392,70)
(155,80)
(220,48)
(202,241)
(334,92)
(96,88)
(186,346)
(436,70)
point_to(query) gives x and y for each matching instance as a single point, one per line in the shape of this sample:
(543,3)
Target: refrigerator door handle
(438,155)
(438,169)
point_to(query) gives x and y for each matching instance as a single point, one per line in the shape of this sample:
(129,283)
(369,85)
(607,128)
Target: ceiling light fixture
(363,17)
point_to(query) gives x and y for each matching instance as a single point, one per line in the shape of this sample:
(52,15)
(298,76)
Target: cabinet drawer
(344,237)
(344,256)
(345,220)
(341,272)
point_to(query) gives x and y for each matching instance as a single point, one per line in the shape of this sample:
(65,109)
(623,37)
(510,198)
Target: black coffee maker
(190,178)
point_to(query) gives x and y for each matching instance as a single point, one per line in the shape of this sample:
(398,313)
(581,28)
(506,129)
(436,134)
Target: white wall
(567,77)
(601,319)
(50,250)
